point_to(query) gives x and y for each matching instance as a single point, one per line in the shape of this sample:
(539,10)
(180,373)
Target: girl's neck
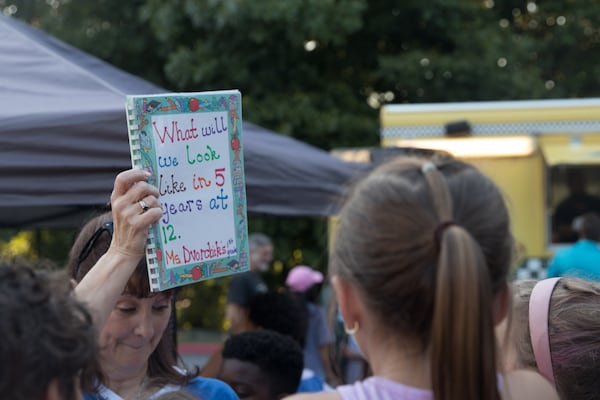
(403,362)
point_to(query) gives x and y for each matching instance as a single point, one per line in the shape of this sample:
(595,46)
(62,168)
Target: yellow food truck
(529,148)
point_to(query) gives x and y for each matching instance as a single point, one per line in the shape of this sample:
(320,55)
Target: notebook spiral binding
(136,161)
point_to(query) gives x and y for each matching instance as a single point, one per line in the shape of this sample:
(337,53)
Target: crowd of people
(420,269)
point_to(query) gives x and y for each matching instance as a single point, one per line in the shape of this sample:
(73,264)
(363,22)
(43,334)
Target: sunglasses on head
(87,249)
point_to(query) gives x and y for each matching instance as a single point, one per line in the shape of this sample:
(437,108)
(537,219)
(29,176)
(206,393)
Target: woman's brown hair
(428,244)
(84,254)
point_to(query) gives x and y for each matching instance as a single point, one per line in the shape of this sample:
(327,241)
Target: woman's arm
(102,286)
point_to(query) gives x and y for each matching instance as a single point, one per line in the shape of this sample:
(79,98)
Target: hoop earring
(352,331)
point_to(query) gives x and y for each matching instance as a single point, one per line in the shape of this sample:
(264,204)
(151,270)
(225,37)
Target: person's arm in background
(213,365)
(330,376)
(102,286)
(326,340)
(237,316)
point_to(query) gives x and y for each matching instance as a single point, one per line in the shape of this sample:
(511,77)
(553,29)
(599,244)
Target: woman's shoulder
(527,385)
(210,388)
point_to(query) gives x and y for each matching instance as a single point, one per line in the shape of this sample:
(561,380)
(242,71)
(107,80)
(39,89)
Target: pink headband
(539,306)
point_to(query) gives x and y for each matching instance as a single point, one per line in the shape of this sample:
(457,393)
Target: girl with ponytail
(420,266)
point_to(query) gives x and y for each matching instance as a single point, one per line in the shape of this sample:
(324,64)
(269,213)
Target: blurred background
(319,71)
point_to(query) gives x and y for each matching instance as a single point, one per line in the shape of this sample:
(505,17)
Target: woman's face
(132,332)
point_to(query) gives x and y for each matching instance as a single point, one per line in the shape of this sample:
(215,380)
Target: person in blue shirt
(582,259)
(137,358)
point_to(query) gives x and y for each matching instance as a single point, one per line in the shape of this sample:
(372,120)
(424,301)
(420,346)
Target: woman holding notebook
(135,344)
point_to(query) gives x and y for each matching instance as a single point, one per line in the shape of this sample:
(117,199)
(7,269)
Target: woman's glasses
(87,249)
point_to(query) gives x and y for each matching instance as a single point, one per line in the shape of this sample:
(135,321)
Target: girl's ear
(340,295)
(502,302)
(347,301)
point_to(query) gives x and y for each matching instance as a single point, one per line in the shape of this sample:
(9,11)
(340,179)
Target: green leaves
(319,70)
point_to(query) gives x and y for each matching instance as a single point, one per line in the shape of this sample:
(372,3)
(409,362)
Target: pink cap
(302,277)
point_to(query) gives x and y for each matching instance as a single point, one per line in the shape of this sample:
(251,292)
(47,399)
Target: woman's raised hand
(135,207)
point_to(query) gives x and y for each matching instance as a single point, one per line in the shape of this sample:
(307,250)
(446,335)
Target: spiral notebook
(191,143)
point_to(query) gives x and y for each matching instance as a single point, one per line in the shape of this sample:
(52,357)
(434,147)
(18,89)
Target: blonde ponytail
(462,337)
(462,330)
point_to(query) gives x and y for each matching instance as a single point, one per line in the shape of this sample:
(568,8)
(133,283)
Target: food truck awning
(573,151)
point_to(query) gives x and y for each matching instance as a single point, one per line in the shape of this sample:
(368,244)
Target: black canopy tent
(63,139)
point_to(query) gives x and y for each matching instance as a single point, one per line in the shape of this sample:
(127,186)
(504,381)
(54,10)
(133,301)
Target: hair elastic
(438,231)
(428,166)
(539,307)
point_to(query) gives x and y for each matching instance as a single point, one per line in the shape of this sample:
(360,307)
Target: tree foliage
(320,69)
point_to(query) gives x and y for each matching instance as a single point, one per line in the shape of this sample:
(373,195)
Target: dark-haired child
(261,365)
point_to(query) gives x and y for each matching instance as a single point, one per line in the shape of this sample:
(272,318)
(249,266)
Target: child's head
(262,365)
(427,247)
(588,226)
(573,332)
(47,336)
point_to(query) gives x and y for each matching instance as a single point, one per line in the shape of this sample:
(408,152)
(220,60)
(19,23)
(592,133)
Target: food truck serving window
(574,183)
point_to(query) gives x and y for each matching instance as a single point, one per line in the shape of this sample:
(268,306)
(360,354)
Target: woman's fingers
(143,202)
(148,202)
(131,186)
(135,207)
(126,179)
